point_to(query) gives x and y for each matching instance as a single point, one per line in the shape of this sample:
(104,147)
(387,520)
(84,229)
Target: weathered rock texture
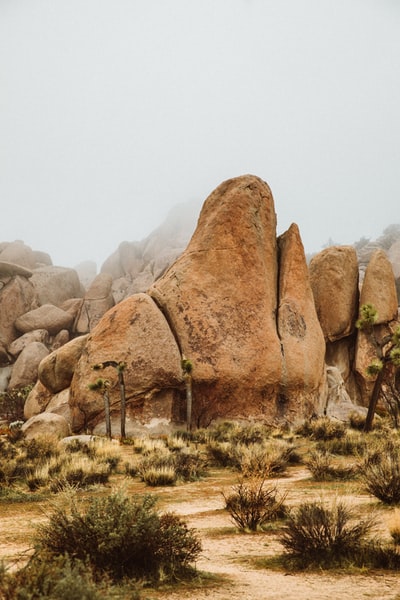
(56,369)
(379,287)
(25,369)
(97,301)
(47,316)
(302,340)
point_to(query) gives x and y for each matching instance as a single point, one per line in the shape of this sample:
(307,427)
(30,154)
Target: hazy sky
(112,111)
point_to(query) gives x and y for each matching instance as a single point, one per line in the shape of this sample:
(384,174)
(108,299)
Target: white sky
(112,111)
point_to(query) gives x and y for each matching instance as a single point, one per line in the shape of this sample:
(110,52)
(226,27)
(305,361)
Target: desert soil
(234,558)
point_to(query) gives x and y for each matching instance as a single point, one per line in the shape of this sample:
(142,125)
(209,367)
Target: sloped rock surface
(17,297)
(54,285)
(136,333)
(97,300)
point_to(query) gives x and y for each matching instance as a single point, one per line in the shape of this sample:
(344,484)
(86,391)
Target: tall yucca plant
(120,367)
(387,353)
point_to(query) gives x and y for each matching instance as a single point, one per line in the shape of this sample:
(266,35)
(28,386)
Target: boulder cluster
(269,337)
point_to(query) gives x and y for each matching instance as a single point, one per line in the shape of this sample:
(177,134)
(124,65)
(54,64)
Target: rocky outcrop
(334,282)
(339,404)
(39,335)
(37,400)
(18,253)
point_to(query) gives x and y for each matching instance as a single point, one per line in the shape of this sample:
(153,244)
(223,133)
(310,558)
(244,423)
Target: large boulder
(59,404)
(25,369)
(136,333)
(56,369)
(334,281)
(379,287)
(220,299)
(54,285)
(97,300)
(47,316)
(303,344)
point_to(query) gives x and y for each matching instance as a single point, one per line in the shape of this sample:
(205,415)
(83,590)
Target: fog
(111,112)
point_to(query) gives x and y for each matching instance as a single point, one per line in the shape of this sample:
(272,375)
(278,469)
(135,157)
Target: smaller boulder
(379,287)
(59,404)
(97,301)
(56,370)
(48,317)
(37,400)
(39,335)
(54,285)
(46,424)
(25,369)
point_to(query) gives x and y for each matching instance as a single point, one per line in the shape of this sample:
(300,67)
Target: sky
(113,111)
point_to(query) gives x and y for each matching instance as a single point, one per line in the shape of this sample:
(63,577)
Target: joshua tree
(387,355)
(103,385)
(187,368)
(119,366)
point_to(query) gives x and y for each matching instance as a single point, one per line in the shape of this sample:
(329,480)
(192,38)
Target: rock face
(220,298)
(334,281)
(17,296)
(136,333)
(303,344)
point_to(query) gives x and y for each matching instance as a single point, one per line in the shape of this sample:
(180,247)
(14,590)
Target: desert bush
(353,443)
(41,448)
(222,454)
(266,459)
(318,535)
(12,403)
(394,526)
(146,446)
(380,471)
(54,578)
(252,504)
(322,429)
(159,475)
(323,468)
(121,537)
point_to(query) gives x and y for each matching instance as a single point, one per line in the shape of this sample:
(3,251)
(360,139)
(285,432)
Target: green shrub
(223,454)
(353,443)
(381,473)
(252,504)
(122,537)
(52,578)
(189,465)
(159,475)
(317,535)
(322,429)
(323,467)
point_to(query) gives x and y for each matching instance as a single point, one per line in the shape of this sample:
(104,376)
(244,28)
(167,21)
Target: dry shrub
(325,536)
(380,471)
(252,504)
(323,467)
(322,429)
(394,526)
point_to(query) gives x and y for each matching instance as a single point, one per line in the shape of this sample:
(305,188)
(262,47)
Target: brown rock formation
(136,333)
(54,285)
(303,344)
(37,400)
(17,297)
(334,281)
(220,298)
